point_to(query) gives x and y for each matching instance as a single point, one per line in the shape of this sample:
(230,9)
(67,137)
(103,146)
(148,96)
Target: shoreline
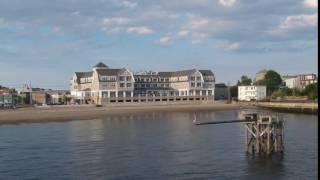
(70,113)
(61,114)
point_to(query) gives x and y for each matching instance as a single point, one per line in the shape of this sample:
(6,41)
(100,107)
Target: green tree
(245,81)
(286,91)
(311,91)
(272,81)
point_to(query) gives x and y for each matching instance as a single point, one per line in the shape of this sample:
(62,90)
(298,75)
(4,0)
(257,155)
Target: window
(121,78)
(198,78)
(121,84)
(155,80)
(112,78)
(167,79)
(192,84)
(128,93)
(143,85)
(112,94)
(148,85)
(128,78)
(128,84)
(198,84)
(154,85)
(192,78)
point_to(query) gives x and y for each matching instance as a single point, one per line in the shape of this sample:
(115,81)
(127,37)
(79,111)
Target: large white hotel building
(104,82)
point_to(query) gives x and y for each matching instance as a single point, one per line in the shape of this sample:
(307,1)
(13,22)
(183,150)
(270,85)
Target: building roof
(109,72)
(206,72)
(84,74)
(100,65)
(220,85)
(177,73)
(262,71)
(289,76)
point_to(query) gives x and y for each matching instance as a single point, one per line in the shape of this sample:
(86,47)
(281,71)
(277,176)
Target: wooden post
(268,138)
(246,139)
(257,138)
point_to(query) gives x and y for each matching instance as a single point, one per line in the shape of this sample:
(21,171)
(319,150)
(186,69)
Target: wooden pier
(263,134)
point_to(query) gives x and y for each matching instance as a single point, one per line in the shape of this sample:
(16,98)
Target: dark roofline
(100,64)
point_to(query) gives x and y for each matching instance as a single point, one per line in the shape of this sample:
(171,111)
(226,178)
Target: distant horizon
(45,42)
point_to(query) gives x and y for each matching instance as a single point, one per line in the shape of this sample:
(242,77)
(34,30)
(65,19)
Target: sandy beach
(47,114)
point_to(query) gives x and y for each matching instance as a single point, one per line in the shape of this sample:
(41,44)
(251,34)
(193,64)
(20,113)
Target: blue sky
(46,41)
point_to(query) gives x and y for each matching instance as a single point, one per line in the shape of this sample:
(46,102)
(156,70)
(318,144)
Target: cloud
(56,29)
(199,28)
(115,24)
(229,46)
(311,3)
(3,23)
(227,3)
(140,30)
(129,4)
(166,40)
(296,22)
(183,33)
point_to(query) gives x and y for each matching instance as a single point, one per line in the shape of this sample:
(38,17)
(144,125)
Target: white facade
(179,83)
(248,93)
(299,81)
(102,82)
(292,82)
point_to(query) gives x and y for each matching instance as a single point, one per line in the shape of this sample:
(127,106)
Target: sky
(45,42)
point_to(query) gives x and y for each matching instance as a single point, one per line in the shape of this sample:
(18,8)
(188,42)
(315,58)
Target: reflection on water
(154,146)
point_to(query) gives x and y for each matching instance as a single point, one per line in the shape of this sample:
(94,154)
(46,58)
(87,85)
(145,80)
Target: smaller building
(58,97)
(261,74)
(252,93)
(299,81)
(40,97)
(220,91)
(5,90)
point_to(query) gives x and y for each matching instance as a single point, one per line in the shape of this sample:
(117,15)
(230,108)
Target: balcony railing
(155,99)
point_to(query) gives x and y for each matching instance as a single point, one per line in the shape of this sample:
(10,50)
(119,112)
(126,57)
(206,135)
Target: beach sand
(67,113)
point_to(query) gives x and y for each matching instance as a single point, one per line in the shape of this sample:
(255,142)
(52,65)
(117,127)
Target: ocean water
(161,145)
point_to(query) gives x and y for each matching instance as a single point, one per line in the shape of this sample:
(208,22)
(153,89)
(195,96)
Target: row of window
(152,80)
(195,84)
(125,78)
(114,78)
(85,80)
(150,85)
(193,78)
(128,85)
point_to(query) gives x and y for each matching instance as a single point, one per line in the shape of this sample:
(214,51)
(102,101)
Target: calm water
(153,146)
